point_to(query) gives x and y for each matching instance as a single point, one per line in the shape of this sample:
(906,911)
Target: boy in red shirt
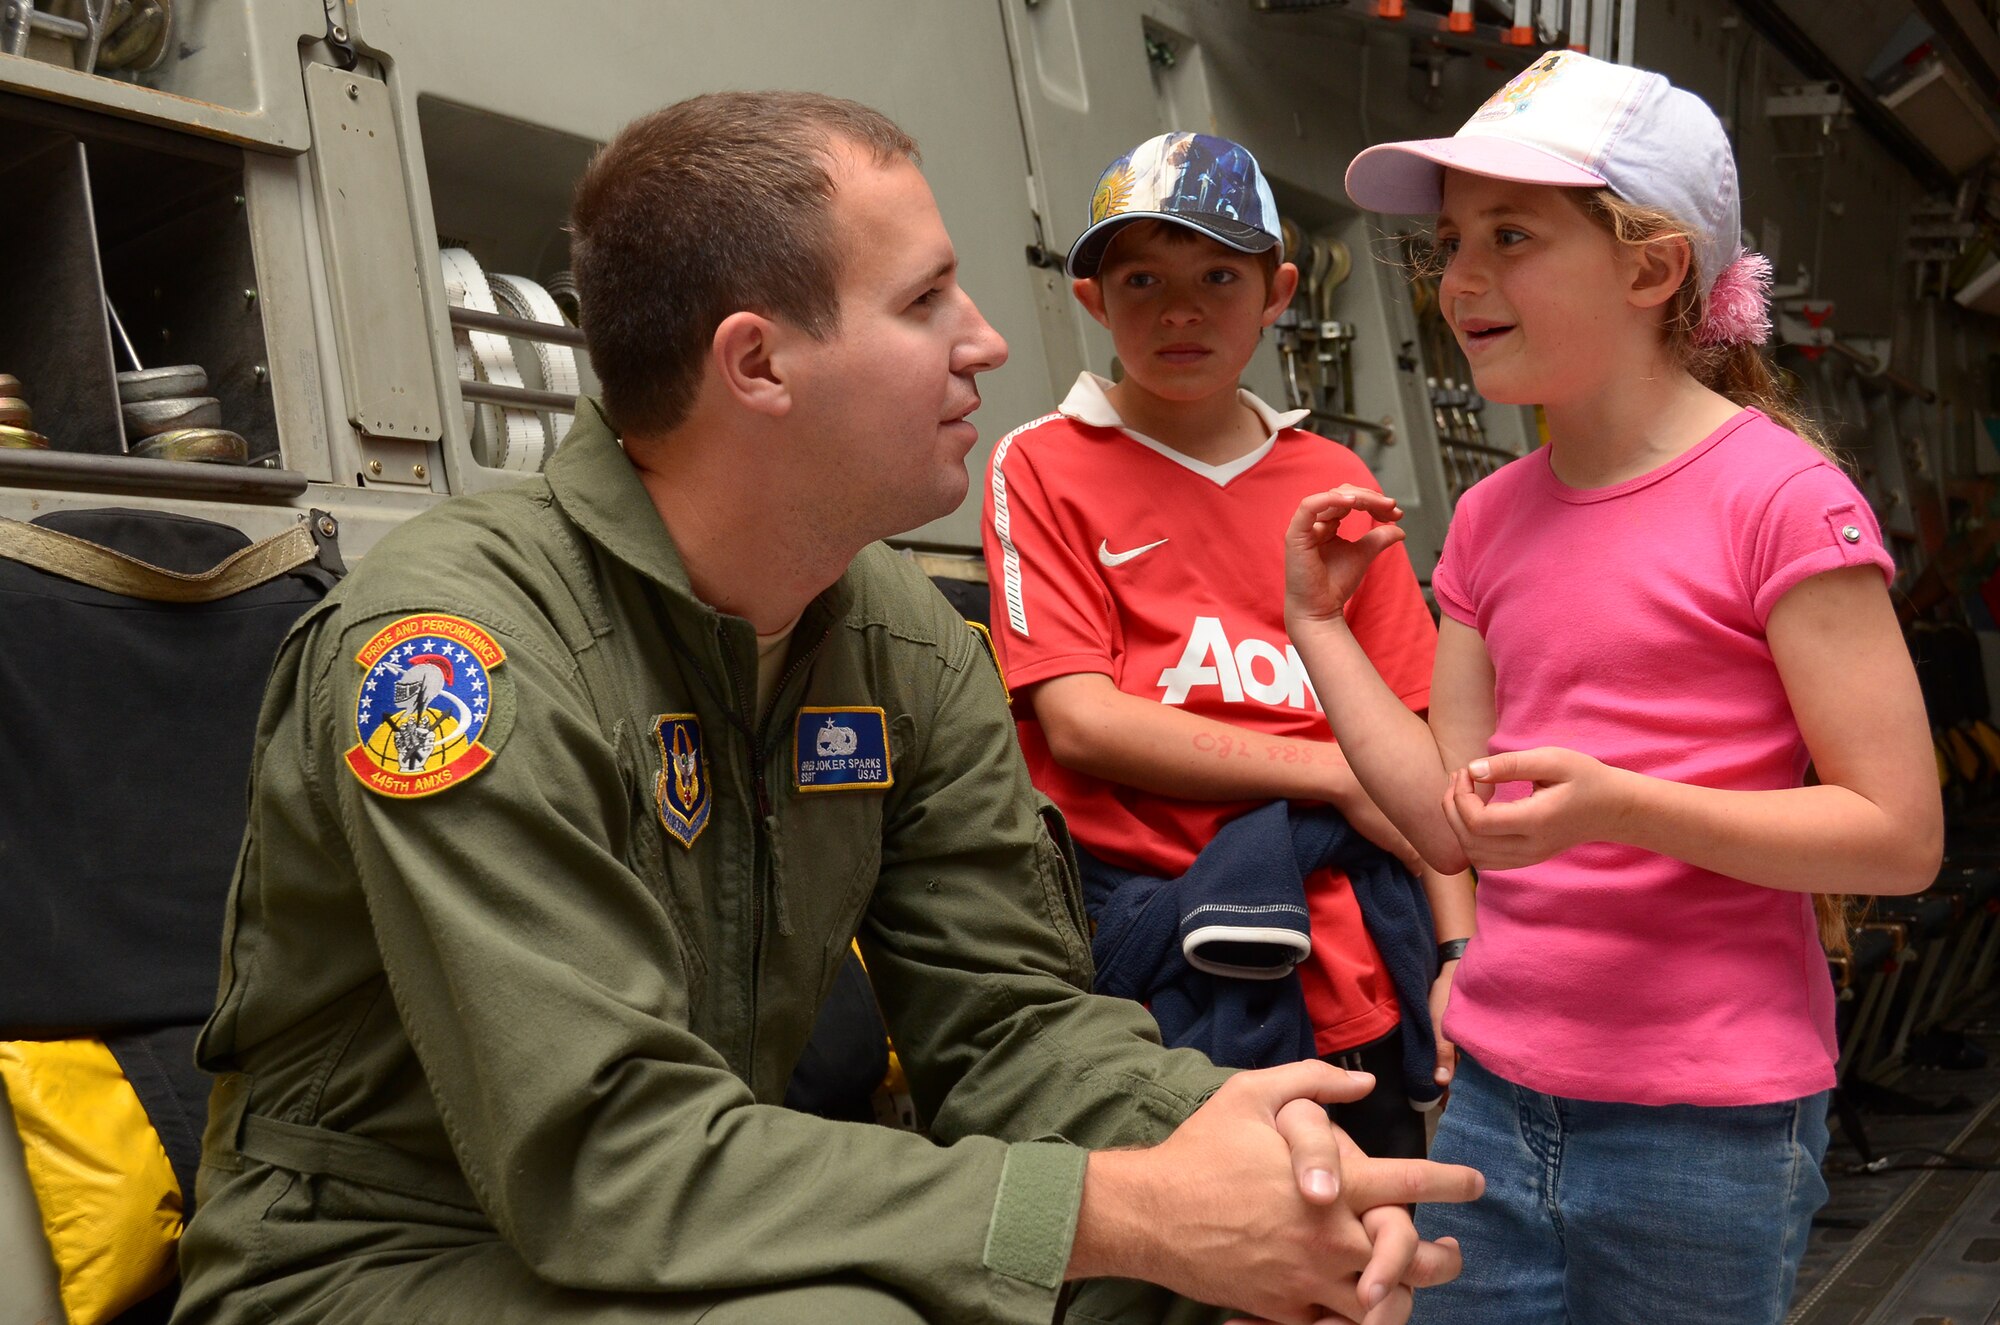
(1135,542)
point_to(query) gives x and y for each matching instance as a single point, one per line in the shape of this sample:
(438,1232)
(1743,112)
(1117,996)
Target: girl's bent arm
(1401,761)
(1389,748)
(1875,824)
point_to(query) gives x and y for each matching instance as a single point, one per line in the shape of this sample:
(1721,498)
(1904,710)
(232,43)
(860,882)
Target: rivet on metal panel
(339,33)
(419,472)
(259,371)
(353,90)
(249,296)
(375,468)
(327,528)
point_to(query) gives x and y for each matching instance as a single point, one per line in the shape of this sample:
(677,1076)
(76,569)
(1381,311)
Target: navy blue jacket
(1212,952)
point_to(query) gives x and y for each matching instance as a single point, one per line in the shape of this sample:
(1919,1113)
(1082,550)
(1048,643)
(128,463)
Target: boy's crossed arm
(1095,728)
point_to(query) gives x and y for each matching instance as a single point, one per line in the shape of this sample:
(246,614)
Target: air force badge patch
(683,792)
(423,703)
(841,749)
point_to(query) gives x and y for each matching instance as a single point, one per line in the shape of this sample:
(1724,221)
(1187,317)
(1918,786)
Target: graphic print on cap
(1182,173)
(1520,90)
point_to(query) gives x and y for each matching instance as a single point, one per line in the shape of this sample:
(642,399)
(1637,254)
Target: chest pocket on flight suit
(639,766)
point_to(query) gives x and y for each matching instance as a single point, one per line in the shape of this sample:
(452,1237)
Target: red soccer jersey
(1113,553)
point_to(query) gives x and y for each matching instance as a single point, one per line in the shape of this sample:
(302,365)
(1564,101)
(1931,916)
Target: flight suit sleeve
(543,989)
(976,944)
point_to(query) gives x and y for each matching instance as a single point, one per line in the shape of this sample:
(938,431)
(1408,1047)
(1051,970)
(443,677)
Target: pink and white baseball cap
(1577,122)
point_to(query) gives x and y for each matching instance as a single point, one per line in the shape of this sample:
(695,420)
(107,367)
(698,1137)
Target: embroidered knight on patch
(425,698)
(683,791)
(841,749)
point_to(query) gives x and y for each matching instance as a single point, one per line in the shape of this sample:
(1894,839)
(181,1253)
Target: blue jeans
(1623,1214)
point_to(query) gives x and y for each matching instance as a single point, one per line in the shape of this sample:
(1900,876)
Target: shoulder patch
(423,702)
(986,638)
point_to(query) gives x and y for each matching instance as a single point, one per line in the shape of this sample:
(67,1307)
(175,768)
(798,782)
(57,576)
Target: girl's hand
(1322,568)
(1575,799)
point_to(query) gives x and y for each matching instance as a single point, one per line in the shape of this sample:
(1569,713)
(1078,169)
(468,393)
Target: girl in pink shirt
(1651,626)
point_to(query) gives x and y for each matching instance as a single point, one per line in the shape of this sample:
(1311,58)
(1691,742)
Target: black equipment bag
(127,717)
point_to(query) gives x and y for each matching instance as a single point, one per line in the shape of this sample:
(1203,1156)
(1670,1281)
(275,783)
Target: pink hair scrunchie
(1739,304)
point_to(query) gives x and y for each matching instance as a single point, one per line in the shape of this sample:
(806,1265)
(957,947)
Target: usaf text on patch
(841,749)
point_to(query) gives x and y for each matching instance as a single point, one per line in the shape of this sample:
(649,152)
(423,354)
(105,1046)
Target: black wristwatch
(1451,950)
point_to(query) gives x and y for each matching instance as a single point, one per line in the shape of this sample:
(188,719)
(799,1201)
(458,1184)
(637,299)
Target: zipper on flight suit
(760,852)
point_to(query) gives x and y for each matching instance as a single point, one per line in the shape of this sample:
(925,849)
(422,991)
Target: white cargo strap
(525,299)
(515,438)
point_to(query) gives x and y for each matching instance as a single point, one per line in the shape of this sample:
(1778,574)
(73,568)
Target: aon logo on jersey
(1252,667)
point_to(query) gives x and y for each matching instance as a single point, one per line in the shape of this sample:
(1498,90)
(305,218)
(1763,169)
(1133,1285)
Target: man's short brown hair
(714,205)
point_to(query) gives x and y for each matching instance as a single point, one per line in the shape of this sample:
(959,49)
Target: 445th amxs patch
(425,697)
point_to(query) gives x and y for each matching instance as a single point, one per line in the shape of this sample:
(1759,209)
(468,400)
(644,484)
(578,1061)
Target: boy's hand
(1322,568)
(1447,1065)
(1574,799)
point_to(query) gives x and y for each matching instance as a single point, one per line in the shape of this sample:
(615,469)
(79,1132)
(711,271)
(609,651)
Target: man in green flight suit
(568,801)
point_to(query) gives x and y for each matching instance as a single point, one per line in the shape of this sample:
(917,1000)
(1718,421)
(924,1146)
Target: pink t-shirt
(1627,622)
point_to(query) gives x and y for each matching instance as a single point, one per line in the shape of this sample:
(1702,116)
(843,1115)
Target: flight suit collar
(597,487)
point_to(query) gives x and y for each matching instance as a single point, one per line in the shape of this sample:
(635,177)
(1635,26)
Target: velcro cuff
(1034,1215)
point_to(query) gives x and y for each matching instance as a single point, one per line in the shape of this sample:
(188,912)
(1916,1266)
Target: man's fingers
(1393,1309)
(1392,1243)
(1435,1263)
(1372,1182)
(1315,1149)
(1447,1061)
(1271,1088)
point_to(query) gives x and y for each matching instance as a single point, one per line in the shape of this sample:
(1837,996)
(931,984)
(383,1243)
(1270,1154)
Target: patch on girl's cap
(424,700)
(841,749)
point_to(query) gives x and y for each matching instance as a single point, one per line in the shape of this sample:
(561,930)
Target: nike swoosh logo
(1110,558)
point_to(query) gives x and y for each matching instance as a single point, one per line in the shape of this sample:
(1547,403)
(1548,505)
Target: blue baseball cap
(1206,183)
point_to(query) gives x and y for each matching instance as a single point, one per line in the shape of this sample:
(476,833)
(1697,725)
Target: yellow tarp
(108,1196)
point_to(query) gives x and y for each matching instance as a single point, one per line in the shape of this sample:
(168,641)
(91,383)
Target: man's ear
(1658,271)
(1089,292)
(1284,284)
(745,355)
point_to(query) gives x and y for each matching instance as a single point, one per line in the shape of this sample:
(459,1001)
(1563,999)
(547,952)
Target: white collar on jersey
(1087,403)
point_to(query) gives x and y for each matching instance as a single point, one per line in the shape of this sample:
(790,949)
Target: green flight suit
(513,1050)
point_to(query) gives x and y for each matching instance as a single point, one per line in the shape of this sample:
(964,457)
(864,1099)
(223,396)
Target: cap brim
(1087,254)
(1408,178)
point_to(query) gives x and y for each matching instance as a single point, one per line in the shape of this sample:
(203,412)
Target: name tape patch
(841,749)
(424,700)
(683,790)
